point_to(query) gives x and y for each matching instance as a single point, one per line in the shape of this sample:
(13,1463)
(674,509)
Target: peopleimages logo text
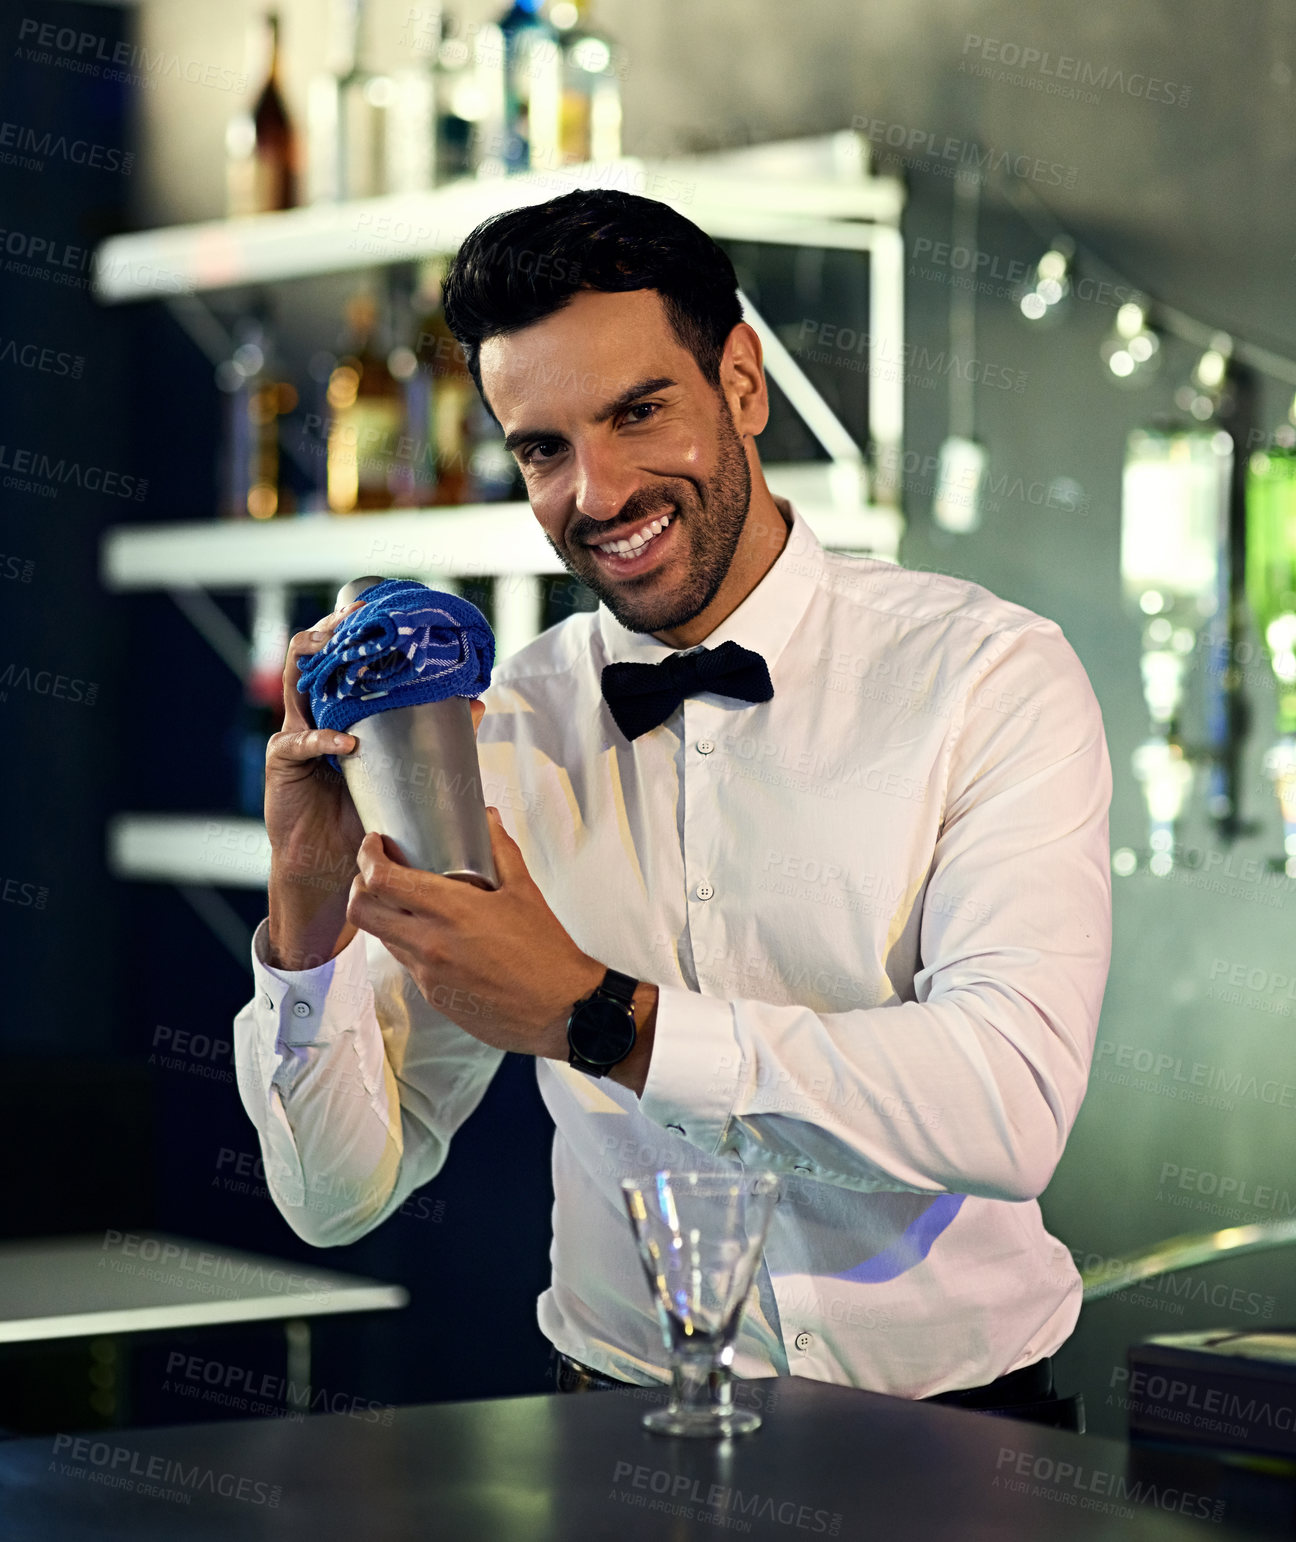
(30,143)
(33,471)
(87,53)
(963,152)
(48,361)
(1063,67)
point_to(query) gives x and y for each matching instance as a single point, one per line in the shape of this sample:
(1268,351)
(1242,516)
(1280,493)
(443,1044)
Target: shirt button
(267,1000)
(704,891)
(300,1009)
(678,1128)
(803,1169)
(803,1341)
(705,746)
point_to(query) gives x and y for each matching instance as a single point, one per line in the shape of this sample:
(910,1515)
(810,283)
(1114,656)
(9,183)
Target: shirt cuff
(696,1067)
(310,1006)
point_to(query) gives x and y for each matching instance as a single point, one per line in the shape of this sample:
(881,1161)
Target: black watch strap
(615,987)
(621,987)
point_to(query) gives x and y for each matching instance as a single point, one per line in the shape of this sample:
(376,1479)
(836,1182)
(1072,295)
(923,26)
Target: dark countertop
(829,1461)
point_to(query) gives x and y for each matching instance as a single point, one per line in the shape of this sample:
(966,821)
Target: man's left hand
(498,963)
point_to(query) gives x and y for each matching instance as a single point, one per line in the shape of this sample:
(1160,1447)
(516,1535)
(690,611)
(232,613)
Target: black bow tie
(640,696)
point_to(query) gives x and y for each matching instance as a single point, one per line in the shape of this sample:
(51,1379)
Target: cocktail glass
(700,1239)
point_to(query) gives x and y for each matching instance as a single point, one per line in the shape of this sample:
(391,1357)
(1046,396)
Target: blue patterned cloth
(407,644)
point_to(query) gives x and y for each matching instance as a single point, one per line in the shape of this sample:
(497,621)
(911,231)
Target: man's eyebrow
(609,410)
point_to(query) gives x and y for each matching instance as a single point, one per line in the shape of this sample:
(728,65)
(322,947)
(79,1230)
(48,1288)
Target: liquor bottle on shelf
(519,64)
(261,147)
(411,131)
(412,120)
(251,485)
(1271,596)
(493,474)
(461,103)
(366,417)
(439,398)
(371,132)
(363,101)
(590,126)
(1174,572)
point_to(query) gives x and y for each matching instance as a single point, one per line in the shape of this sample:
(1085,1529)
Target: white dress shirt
(878,909)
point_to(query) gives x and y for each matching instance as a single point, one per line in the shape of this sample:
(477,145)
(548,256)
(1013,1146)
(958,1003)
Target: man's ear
(742,380)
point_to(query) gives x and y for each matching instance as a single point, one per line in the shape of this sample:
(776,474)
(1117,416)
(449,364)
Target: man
(853,888)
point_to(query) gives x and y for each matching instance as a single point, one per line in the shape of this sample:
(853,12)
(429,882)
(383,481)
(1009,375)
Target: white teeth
(639,539)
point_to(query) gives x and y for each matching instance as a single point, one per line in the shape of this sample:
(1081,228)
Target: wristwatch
(601,1028)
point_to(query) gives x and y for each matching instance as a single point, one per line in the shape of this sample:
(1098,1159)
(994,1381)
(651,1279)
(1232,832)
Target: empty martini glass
(700,1238)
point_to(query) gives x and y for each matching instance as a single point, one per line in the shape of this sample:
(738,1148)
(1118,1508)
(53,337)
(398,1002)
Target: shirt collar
(763,621)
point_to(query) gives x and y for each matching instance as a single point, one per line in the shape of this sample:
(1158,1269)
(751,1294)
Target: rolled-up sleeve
(973,1085)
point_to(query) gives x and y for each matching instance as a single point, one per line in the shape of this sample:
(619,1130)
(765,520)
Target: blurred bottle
(372,132)
(250,476)
(412,116)
(364,100)
(1174,562)
(590,124)
(1271,566)
(1271,595)
(366,416)
(261,146)
(461,103)
(519,64)
(439,399)
(493,474)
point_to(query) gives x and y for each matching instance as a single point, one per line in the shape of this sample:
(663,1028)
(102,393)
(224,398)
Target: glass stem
(700,1384)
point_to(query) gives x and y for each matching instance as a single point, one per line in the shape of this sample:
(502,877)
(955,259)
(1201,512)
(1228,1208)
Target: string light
(1052,281)
(1133,350)
(1169,320)
(1207,391)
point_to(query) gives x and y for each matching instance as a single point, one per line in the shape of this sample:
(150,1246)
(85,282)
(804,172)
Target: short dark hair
(519,267)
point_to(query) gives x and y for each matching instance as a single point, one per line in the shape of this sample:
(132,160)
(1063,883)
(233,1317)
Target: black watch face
(601,1031)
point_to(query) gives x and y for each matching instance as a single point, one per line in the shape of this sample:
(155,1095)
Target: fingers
(510,865)
(291,747)
(383,871)
(391,902)
(397,887)
(301,645)
(478,709)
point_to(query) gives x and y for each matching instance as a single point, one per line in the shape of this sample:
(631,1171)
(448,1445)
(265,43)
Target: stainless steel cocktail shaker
(414,777)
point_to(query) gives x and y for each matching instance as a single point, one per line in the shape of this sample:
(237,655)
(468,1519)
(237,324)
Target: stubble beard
(711,516)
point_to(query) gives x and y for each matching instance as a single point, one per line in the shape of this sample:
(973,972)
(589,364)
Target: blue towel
(407,644)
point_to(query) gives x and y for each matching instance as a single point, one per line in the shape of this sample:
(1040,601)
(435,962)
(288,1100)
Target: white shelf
(495,539)
(797,192)
(190,848)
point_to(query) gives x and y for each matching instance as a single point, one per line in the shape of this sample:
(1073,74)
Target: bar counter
(828,1461)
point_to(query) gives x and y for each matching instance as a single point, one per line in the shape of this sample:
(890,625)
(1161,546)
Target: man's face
(615,429)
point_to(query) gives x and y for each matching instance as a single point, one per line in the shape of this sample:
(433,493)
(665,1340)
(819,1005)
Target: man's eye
(532,455)
(648,408)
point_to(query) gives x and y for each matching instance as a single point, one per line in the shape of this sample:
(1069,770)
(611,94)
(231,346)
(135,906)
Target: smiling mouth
(649,556)
(639,539)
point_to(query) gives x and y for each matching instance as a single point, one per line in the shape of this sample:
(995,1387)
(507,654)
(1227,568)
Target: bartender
(803,867)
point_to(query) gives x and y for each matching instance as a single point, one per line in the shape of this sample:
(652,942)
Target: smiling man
(804,868)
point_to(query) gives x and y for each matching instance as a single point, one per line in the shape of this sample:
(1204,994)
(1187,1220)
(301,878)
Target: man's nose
(605,479)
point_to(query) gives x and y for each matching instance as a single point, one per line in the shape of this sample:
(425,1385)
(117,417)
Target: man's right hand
(312,824)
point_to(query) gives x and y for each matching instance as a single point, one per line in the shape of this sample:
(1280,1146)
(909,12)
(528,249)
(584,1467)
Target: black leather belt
(1031,1384)
(572,1376)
